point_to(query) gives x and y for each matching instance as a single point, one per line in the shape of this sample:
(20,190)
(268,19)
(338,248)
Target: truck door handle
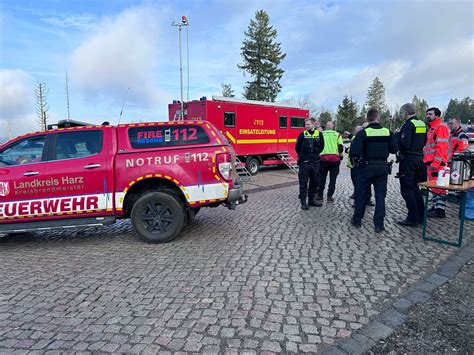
(92,166)
(31,173)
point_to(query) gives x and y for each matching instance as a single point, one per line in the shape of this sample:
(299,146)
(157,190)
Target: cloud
(120,53)
(16,99)
(446,71)
(16,103)
(408,46)
(80,22)
(390,73)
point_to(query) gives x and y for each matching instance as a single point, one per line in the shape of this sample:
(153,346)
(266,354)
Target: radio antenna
(123,104)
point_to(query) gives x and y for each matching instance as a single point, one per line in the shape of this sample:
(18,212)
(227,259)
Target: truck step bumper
(236,196)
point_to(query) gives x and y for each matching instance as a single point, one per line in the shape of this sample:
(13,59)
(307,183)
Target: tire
(253,166)
(6,237)
(157,217)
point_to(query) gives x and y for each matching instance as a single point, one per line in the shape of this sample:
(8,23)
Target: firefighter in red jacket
(459,140)
(435,157)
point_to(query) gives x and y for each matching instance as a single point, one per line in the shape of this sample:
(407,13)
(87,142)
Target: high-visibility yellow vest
(420,126)
(349,163)
(309,135)
(332,139)
(377,132)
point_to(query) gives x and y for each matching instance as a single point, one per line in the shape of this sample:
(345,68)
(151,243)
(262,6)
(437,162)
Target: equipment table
(462,190)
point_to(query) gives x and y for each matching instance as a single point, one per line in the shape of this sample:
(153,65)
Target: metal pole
(187,55)
(184,22)
(181,73)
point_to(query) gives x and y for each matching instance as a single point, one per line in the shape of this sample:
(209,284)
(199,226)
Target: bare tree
(227,90)
(67,96)
(305,103)
(41,92)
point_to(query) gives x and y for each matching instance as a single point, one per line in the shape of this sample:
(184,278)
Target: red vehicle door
(78,164)
(21,178)
(283,134)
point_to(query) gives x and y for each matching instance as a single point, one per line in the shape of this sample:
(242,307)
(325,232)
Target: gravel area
(444,324)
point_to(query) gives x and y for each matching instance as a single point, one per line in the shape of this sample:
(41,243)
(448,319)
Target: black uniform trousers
(354,172)
(308,175)
(367,175)
(333,169)
(411,172)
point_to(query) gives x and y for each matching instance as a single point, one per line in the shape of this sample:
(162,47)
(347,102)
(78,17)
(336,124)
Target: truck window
(26,151)
(70,145)
(297,122)
(229,119)
(283,122)
(166,136)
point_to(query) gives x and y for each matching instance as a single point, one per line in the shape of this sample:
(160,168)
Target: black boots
(437,213)
(315,203)
(304,205)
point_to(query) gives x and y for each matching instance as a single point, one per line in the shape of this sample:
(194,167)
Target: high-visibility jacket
(350,162)
(309,145)
(373,143)
(332,143)
(457,142)
(435,152)
(412,137)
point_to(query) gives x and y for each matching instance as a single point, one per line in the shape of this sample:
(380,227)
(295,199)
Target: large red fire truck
(260,132)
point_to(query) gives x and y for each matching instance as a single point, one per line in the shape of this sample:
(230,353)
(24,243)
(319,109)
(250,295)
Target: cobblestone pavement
(267,277)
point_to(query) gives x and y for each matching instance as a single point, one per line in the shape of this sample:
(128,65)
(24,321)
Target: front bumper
(236,195)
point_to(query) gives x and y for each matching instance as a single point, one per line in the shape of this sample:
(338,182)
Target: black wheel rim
(253,166)
(157,218)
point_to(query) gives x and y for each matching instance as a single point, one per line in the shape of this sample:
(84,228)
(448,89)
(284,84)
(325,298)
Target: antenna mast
(184,22)
(187,57)
(67,96)
(123,104)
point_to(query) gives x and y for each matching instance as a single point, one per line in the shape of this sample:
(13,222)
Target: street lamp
(184,22)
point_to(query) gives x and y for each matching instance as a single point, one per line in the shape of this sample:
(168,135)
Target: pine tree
(227,90)
(42,107)
(466,109)
(324,117)
(462,109)
(420,106)
(347,117)
(376,96)
(376,99)
(261,57)
(362,114)
(397,121)
(452,110)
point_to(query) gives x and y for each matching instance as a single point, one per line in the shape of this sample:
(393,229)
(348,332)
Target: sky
(125,52)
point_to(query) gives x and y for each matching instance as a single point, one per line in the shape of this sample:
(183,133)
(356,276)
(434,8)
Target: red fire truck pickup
(260,132)
(158,174)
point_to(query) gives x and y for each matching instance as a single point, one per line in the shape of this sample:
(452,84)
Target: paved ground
(266,277)
(444,324)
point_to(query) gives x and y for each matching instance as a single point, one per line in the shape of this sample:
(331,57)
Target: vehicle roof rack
(67,124)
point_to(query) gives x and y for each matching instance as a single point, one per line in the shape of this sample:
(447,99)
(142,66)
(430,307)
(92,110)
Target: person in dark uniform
(411,140)
(370,151)
(308,146)
(354,170)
